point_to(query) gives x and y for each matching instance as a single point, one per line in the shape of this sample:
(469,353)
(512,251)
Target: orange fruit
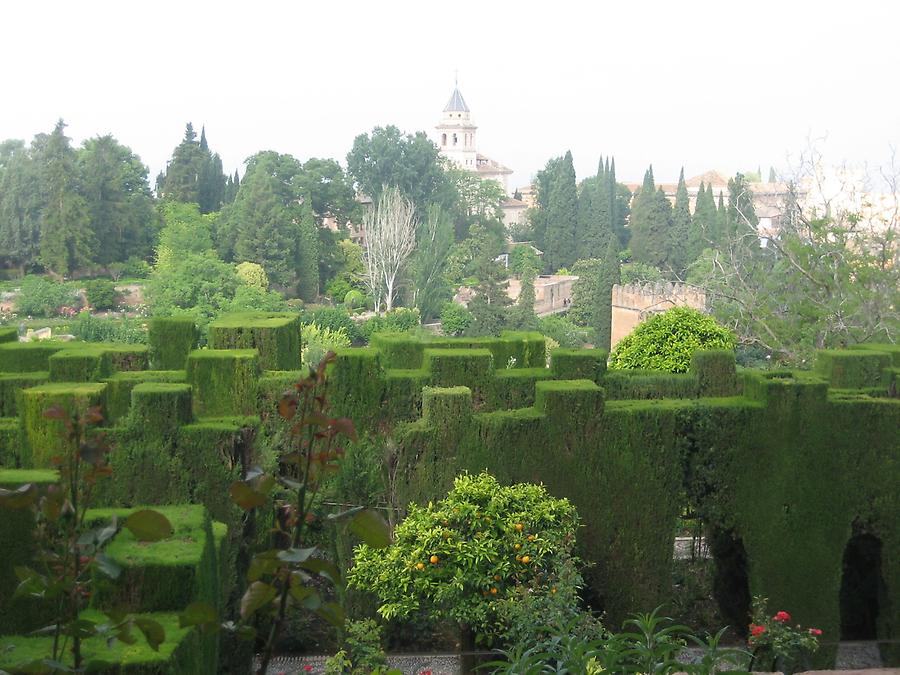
(496,577)
(553,590)
(420,566)
(526,559)
(434,560)
(493,591)
(530,537)
(519,527)
(517,546)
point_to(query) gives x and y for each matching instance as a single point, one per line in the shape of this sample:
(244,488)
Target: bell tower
(456,133)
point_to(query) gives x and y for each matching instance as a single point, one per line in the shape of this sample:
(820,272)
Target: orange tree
(470,555)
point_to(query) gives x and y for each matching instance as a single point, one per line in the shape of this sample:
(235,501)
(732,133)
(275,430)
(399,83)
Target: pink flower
(815,631)
(307,668)
(782,616)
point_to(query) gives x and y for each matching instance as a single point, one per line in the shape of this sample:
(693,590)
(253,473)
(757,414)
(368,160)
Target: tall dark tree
(681,230)
(595,203)
(271,225)
(610,275)
(540,216)
(114,185)
(562,217)
(705,223)
(488,307)
(66,241)
(522,316)
(20,206)
(740,216)
(194,174)
(650,224)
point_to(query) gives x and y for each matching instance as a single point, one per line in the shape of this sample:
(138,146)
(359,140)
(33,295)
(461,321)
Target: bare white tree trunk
(389,231)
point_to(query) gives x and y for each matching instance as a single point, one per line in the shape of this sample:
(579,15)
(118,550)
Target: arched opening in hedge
(862,587)
(731,585)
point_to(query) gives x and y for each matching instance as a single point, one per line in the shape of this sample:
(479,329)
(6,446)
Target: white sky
(727,85)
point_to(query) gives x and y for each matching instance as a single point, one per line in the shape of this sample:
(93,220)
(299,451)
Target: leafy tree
(562,217)
(114,185)
(592,293)
(466,557)
(650,224)
(101,294)
(639,273)
(329,191)
(198,285)
(185,231)
(681,229)
(484,243)
(564,332)
(668,340)
(523,260)
(181,183)
(66,240)
(830,278)
(539,216)
(409,162)
(455,319)
(350,271)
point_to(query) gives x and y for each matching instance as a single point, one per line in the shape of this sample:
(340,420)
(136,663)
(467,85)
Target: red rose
(815,631)
(756,631)
(307,668)
(782,616)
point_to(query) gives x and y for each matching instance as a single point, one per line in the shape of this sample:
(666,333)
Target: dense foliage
(667,341)
(471,553)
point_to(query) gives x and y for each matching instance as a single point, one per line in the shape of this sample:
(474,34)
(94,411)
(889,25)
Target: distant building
(456,141)
(513,211)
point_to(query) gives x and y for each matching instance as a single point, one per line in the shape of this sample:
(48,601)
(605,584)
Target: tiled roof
(456,103)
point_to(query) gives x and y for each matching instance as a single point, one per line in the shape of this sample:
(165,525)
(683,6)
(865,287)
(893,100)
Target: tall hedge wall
(170,341)
(276,336)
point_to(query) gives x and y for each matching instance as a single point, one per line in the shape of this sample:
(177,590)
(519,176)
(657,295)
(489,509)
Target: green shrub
(171,340)
(400,320)
(42,297)
(317,341)
(333,318)
(667,341)
(564,331)
(471,553)
(455,319)
(101,294)
(253,274)
(95,329)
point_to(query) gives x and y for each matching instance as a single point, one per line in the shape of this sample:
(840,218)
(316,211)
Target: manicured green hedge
(18,548)
(120,385)
(171,340)
(11,383)
(88,362)
(852,369)
(159,408)
(45,438)
(9,334)
(275,335)
(27,357)
(9,442)
(578,364)
(224,381)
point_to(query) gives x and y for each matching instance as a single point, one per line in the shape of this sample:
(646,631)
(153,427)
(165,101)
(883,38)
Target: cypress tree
(650,224)
(740,214)
(610,275)
(703,232)
(680,233)
(522,316)
(772,178)
(66,241)
(562,221)
(488,307)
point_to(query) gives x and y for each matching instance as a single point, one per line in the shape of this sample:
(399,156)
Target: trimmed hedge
(120,385)
(11,383)
(9,334)
(88,362)
(224,381)
(44,438)
(17,544)
(159,408)
(28,357)
(275,335)
(171,340)
(853,369)
(9,442)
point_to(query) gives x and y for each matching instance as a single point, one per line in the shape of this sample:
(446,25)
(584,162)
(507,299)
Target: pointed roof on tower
(456,102)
